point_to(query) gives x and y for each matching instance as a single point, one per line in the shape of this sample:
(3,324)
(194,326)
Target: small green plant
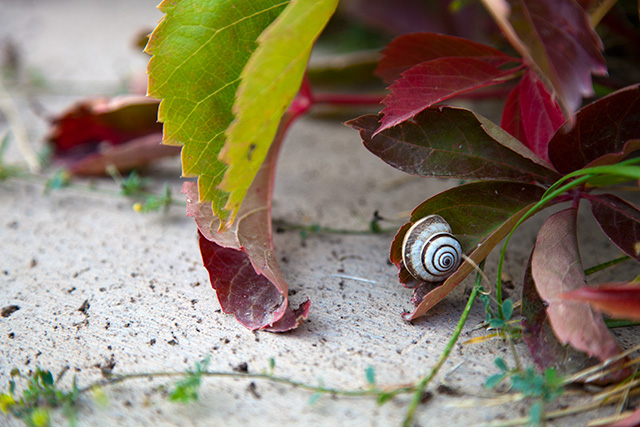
(39,397)
(544,387)
(186,390)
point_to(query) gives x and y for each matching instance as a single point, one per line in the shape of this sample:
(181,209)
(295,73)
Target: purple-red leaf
(601,128)
(453,142)
(556,269)
(618,300)
(433,81)
(532,115)
(557,37)
(241,260)
(620,221)
(545,349)
(409,50)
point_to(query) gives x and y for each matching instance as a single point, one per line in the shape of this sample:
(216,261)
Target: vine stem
(419,390)
(374,391)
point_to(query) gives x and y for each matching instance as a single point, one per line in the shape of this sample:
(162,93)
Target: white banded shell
(430,252)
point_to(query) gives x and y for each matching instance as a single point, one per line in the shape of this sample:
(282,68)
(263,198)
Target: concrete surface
(150,306)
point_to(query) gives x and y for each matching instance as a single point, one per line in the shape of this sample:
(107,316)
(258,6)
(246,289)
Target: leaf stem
(419,389)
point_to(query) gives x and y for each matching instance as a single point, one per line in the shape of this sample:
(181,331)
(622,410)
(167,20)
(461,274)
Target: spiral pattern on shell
(430,252)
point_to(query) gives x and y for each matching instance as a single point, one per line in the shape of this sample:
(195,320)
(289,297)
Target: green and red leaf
(269,82)
(452,143)
(199,50)
(601,129)
(556,269)
(241,260)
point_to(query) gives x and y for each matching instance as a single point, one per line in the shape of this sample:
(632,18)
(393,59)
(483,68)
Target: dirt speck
(84,308)
(9,310)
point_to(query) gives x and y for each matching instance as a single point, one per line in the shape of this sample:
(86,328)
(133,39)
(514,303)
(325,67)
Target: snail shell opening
(430,252)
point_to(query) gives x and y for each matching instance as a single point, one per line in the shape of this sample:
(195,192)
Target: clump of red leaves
(542,140)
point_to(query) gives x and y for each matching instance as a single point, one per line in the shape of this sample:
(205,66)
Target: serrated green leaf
(268,84)
(199,50)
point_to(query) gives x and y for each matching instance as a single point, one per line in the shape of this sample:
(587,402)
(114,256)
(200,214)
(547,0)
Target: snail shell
(430,252)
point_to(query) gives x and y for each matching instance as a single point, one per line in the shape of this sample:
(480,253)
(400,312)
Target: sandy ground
(102,288)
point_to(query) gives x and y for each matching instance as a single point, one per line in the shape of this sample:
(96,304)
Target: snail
(430,252)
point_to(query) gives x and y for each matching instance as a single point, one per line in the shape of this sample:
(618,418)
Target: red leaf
(409,50)
(601,128)
(556,268)
(250,297)
(531,115)
(115,121)
(619,300)
(122,132)
(241,260)
(433,81)
(619,220)
(557,37)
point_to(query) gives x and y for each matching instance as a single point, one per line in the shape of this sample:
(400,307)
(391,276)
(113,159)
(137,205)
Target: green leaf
(494,380)
(507,309)
(269,83)
(501,364)
(199,50)
(370,373)
(535,414)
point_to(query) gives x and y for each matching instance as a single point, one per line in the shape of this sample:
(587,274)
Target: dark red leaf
(453,142)
(409,50)
(601,128)
(619,220)
(433,81)
(557,37)
(250,297)
(618,300)
(556,268)
(531,115)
